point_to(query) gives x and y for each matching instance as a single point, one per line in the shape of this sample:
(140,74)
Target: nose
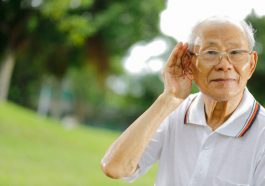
(224,63)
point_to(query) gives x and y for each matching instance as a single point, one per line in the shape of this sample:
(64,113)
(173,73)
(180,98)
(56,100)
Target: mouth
(223,80)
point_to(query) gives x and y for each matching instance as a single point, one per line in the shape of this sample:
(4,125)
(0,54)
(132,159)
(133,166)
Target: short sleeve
(152,152)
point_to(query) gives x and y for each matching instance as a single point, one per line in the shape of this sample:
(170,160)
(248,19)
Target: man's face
(224,80)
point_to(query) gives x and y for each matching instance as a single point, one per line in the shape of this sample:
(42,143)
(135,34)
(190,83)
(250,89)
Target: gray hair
(246,27)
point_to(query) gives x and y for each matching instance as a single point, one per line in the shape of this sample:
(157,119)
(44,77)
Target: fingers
(174,55)
(177,54)
(179,61)
(186,62)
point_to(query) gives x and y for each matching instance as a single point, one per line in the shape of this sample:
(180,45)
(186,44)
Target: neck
(217,112)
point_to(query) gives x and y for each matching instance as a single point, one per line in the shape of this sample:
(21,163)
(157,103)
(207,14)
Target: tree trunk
(6,70)
(98,55)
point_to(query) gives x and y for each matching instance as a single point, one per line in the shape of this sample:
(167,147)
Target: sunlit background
(75,73)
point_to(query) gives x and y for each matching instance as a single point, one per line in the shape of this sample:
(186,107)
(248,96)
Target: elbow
(115,171)
(109,170)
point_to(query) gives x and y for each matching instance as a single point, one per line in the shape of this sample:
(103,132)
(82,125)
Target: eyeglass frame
(221,54)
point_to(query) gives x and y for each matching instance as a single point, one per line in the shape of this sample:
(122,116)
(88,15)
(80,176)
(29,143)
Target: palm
(177,76)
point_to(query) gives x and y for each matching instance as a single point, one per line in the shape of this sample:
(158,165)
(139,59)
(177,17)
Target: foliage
(49,36)
(125,97)
(38,151)
(255,84)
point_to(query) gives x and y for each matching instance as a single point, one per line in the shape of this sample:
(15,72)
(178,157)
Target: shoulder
(260,120)
(185,104)
(262,112)
(260,123)
(177,116)
(257,132)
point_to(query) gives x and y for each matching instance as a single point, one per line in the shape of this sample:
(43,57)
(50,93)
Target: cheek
(245,67)
(200,73)
(198,66)
(199,69)
(245,71)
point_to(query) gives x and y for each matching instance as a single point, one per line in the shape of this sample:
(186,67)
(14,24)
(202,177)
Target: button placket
(203,162)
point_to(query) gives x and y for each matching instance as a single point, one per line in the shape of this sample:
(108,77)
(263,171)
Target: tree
(50,32)
(258,78)
(51,36)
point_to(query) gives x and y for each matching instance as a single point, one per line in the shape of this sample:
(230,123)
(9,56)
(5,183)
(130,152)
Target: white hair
(246,27)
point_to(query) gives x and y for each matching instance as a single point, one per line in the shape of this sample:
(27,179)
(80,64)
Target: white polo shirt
(191,154)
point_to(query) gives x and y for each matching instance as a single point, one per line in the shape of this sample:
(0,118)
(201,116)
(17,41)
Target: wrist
(169,100)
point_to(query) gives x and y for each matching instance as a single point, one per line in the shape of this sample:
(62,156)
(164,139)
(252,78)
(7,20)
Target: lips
(223,80)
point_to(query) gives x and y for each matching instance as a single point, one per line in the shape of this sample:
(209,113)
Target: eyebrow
(231,43)
(217,43)
(210,44)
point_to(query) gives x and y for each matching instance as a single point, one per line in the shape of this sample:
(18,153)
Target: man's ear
(190,72)
(253,63)
(192,68)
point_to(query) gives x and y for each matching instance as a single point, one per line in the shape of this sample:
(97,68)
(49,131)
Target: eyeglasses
(213,57)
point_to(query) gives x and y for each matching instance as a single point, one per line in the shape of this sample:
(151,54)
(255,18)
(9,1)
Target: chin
(223,95)
(222,98)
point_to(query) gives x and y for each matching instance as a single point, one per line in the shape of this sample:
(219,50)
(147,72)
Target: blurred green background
(65,93)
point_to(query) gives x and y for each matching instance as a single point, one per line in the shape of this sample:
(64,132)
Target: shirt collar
(236,125)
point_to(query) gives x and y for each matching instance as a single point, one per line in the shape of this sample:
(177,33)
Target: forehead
(221,34)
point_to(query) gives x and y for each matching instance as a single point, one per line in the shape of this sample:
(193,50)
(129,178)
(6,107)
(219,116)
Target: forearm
(123,156)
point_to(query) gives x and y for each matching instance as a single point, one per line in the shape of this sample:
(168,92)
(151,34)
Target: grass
(36,151)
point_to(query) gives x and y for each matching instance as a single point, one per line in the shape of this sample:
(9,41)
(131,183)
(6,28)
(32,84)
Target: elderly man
(215,137)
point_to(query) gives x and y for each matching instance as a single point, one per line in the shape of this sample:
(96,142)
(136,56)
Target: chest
(197,156)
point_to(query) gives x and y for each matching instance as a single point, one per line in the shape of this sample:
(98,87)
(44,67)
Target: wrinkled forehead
(220,34)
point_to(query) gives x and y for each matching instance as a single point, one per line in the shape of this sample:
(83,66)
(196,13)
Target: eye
(235,52)
(211,52)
